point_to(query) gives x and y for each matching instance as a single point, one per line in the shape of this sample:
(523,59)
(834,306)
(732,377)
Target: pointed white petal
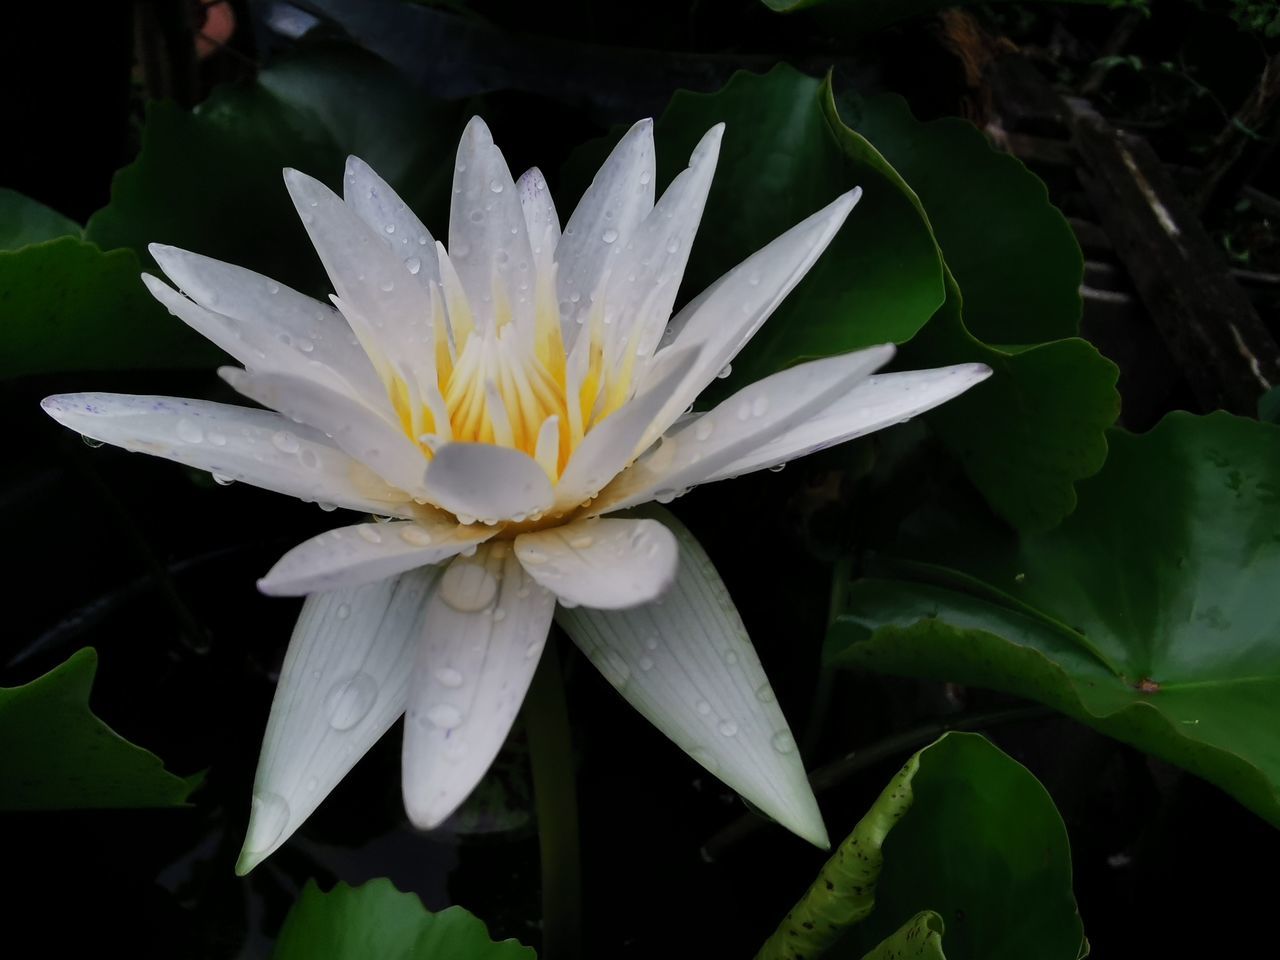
(258,447)
(687,665)
(386,306)
(540,216)
(344,682)
(365,552)
(488,239)
(745,422)
(485,629)
(729,312)
(609,564)
(877,402)
(487,482)
(353,427)
(642,288)
(263,324)
(620,196)
(390,218)
(612,444)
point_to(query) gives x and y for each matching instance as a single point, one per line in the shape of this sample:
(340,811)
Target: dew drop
(326,507)
(445,716)
(449,677)
(728,728)
(725,371)
(189,432)
(312,783)
(91,442)
(499,615)
(387,286)
(343,611)
(759,406)
(350,699)
(651,643)
(416,535)
(308,459)
(390,228)
(702,707)
(468,587)
(581,543)
(783,742)
(764,693)
(369,533)
(222,480)
(284,441)
(495,186)
(777,468)
(609,236)
(646,177)
(730,657)
(414,265)
(269,816)
(646,663)
(673,245)
(535,648)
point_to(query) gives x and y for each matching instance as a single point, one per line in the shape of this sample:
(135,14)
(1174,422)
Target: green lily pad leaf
(1028,433)
(1150,614)
(66,305)
(920,938)
(377,920)
(24,221)
(56,755)
(1009,248)
(963,832)
(210,180)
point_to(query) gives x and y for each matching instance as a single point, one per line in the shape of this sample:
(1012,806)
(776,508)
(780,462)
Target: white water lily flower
(496,399)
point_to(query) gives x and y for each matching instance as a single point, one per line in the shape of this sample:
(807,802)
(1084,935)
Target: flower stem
(546,719)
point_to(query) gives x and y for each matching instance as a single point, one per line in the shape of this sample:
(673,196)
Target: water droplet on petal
(609,236)
(222,480)
(764,693)
(449,677)
(343,611)
(730,657)
(646,663)
(759,406)
(673,245)
(646,177)
(416,535)
(189,432)
(728,728)
(582,542)
(369,533)
(414,265)
(702,707)
(725,371)
(783,742)
(284,441)
(90,441)
(777,468)
(445,716)
(495,186)
(390,228)
(350,699)
(468,587)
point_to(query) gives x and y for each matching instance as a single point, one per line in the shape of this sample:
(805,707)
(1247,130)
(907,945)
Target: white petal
(877,402)
(620,196)
(609,564)
(390,218)
(344,682)
(389,310)
(488,239)
(365,552)
(729,312)
(612,444)
(540,216)
(745,422)
(354,427)
(486,626)
(642,288)
(263,324)
(687,665)
(487,482)
(258,447)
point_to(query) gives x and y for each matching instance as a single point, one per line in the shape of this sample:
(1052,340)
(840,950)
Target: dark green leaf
(210,181)
(24,221)
(55,754)
(962,832)
(1150,614)
(66,305)
(376,921)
